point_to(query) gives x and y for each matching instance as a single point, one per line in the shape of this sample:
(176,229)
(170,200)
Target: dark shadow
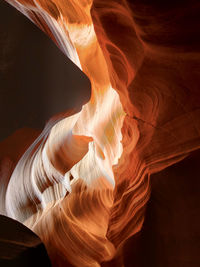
(19,246)
(170,236)
(37,80)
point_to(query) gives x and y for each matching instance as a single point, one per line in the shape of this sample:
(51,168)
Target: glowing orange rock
(83,189)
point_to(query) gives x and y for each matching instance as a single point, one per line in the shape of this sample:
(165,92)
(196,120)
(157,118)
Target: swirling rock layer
(84,183)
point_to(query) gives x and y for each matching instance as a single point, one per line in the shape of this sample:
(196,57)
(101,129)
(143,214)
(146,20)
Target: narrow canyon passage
(84,183)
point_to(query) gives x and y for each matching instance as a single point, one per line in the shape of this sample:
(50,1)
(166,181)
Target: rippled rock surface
(84,183)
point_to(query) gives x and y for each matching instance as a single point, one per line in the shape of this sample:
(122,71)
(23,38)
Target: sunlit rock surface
(83,184)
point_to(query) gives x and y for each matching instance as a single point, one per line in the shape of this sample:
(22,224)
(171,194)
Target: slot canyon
(100,133)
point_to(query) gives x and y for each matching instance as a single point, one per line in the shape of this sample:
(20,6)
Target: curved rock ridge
(152,53)
(83,184)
